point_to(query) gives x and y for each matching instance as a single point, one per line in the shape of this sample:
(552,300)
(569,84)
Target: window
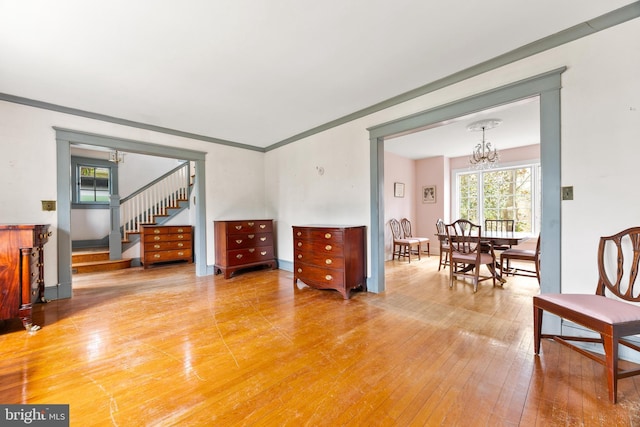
(506,193)
(95,180)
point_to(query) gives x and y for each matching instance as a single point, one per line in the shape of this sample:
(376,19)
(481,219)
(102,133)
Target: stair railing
(154,199)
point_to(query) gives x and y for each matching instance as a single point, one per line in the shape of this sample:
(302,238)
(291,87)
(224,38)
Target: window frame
(78,162)
(536,184)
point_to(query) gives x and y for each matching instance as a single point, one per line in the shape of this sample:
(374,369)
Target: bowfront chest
(330,257)
(165,243)
(243,244)
(22,270)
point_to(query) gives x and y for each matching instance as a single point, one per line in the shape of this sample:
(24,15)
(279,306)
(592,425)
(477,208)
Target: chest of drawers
(243,244)
(21,269)
(330,257)
(164,243)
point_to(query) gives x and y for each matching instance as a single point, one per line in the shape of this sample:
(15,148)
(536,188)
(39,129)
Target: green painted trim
(608,20)
(124,122)
(547,86)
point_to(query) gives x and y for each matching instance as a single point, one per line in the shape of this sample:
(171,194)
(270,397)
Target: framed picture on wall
(398,189)
(429,194)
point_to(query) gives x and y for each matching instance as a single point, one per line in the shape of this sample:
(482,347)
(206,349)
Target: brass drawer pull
(181,253)
(328,277)
(156,246)
(328,247)
(252,250)
(180,245)
(251,224)
(263,239)
(327,235)
(251,236)
(299,244)
(263,253)
(156,231)
(180,236)
(239,256)
(238,227)
(156,256)
(328,261)
(238,241)
(298,234)
(180,230)
(156,237)
(299,270)
(299,256)
(263,225)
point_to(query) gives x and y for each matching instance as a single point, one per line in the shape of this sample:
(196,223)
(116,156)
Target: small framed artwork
(398,189)
(429,194)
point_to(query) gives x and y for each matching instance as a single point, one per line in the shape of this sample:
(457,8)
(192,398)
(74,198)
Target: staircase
(155,203)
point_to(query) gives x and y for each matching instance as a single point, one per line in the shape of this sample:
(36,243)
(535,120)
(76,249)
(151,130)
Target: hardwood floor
(164,347)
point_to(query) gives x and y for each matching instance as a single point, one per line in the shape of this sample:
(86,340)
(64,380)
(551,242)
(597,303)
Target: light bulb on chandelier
(483,155)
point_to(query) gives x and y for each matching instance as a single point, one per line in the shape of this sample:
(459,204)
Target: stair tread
(108,261)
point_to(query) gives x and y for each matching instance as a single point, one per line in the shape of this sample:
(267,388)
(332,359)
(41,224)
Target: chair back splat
(613,311)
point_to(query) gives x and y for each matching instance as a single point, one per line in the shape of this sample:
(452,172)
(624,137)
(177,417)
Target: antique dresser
(164,243)
(21,269)
(330,257)
(243,244)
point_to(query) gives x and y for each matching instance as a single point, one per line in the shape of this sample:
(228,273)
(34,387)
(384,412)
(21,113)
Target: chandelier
(116,157)
(483,155)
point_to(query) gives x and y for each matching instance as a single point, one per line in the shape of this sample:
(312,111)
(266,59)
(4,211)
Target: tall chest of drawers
(21,269)
(164,243)
(243,244)
(330,257)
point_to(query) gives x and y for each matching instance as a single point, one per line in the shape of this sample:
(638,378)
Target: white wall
(600,133)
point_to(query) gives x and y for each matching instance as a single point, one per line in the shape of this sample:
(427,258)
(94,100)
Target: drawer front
(249,240)
(172,255)
(324,234)
(164,237)
(327,260)
(250,255)
(319,276)
(257,226)
(164,246)
(171,229)
(318,246)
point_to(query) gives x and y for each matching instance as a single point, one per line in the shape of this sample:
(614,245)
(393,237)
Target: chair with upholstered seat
(467,253)
(406,230)
(444,244)
(612,312)
(402,247)
(521,255)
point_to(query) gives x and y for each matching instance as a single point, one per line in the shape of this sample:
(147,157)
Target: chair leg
(440,263)
(537,328)
(611,358)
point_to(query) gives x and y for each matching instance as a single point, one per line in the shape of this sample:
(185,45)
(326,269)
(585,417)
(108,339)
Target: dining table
(497,238)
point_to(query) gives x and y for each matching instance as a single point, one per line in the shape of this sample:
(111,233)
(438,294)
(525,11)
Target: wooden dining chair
(521,255)
(500,226)
(406,231)
(444,243)
(402,247)
(467,253)
(612,312)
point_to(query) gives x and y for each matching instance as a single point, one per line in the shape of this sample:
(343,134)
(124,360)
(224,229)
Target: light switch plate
(48,205)
(567,193)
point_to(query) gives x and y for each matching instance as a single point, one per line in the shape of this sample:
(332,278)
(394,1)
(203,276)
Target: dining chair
(468,252)
(406,230)
(444,243)
(526,255)
(401,246)
(500,226)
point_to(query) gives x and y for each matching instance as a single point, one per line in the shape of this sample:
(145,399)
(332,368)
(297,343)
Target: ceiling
(257,72)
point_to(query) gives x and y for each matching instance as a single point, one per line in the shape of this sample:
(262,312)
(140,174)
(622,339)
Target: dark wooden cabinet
(243,244)
(330,257)
(165,243)
(21,270)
